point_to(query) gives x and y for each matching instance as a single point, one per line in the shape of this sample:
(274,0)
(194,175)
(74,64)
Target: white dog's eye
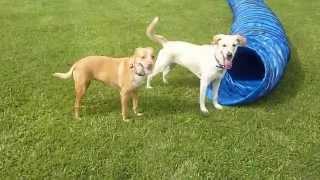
(233,45)
(224,45)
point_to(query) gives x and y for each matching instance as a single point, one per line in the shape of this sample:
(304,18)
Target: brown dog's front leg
(135,101)
(124,105)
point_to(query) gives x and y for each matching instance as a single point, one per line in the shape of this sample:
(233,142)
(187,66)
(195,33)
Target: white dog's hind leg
(215,90)
(202,99)
(162,62)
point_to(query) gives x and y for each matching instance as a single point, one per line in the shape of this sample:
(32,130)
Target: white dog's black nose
(229,55)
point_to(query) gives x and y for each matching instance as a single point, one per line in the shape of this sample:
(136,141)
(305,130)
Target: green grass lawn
(277,137)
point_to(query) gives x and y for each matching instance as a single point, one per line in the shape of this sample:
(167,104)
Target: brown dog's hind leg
(135,102)
(81,84)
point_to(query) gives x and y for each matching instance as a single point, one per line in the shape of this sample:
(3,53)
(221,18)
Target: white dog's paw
(218,106)
(204,111)
(139,114)
(165,81)
(149,87)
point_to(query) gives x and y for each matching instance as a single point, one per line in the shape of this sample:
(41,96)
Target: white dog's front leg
(215,90)
(203,87)
(164,74)
(162,62)
(149,78)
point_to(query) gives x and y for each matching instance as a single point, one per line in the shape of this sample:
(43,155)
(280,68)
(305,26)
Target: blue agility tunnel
(259,66)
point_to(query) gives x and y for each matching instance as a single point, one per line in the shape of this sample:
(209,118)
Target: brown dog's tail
(151,34)
(65,75)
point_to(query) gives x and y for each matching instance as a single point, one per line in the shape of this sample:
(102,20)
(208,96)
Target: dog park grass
(277,137)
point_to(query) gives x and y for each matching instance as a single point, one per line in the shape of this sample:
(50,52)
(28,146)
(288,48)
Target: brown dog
(127,74)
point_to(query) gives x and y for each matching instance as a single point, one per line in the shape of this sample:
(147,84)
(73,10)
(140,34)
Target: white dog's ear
(242,40)
(217,38)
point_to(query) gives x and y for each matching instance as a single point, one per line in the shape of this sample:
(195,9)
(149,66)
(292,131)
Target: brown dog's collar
(133,66)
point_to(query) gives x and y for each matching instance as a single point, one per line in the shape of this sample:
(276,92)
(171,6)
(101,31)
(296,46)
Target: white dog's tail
(151,34)
(65,75)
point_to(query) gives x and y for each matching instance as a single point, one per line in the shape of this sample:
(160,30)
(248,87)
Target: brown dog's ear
(137,50)
(242,40)
(133,58)
(217,38)
(150,49)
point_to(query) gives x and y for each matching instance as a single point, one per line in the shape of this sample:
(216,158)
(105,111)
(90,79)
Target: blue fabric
(259,66)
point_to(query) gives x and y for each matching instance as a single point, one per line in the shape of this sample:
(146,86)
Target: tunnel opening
(247,66)
(243,79)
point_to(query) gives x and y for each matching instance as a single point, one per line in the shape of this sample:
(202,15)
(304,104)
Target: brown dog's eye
(152,57)
(143,57)
(224,45)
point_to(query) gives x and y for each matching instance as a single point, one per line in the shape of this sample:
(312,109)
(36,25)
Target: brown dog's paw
(126,119)
(76,117)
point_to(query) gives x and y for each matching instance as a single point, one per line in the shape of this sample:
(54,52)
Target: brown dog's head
(143,60)
(227,47)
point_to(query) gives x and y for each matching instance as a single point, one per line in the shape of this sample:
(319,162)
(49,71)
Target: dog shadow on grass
(185,82)
(152,104)
(102,107)
(178,77)
(289,86)
(167,104)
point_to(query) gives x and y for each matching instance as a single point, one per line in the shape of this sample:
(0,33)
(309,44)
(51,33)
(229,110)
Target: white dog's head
(227,47)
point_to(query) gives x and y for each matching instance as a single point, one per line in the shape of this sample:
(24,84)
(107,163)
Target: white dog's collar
(221,66)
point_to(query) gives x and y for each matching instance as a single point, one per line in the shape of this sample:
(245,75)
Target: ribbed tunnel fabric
(259,66)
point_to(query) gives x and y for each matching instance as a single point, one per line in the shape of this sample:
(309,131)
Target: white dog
(208,62)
